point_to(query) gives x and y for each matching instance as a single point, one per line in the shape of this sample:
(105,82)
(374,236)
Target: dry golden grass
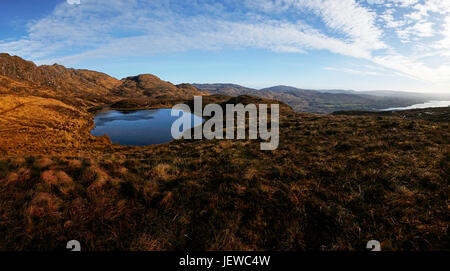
(75,164)
(34,123)
(44,204)
(146,242)
(43,126)
(17,162)
(334,183)
(165,172)
(96,176)
(43,162)
(58,179)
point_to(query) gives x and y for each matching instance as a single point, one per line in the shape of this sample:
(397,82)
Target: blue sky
(323,44)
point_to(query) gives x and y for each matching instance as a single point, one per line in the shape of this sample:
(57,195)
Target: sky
(399,45)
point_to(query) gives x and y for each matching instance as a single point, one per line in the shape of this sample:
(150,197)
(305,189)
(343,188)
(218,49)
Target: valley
(320,102)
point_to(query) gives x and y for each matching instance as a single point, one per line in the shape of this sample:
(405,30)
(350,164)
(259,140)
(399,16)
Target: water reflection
(138,128)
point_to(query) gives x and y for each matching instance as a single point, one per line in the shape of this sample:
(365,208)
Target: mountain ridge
(91,86)
(312,101)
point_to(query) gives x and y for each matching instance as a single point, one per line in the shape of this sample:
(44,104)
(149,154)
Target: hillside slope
(82,87)
(151,86)
(335,182)
(57,80)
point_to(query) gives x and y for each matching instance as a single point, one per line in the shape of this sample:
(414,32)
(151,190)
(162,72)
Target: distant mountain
(330,91)
(377,93)
(90,88)
(390,93)
(414,95)
(339,91)
(232,90)
(313,101)
(283,89)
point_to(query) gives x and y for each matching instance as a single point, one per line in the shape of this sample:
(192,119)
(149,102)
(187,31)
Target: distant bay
(430,104)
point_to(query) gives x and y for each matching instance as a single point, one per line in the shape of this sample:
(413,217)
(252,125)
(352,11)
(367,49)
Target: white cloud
(74,2)
(344,16)
(361,71)
(108,28)
(92,28)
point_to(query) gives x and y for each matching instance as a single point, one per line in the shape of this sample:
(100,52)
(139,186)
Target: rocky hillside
(234,90)
(151,86)
(18,76)
(63,81)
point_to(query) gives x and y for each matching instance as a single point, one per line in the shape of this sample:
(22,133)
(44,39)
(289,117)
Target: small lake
(138,128)
(431,104)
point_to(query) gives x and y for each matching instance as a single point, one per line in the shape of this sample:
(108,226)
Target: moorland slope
(335,182)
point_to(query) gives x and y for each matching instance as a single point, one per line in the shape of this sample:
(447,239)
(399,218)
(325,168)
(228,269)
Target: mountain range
(86,87)
(321,101)
(90,88)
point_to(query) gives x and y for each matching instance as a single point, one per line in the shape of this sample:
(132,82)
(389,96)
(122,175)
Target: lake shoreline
(138,127)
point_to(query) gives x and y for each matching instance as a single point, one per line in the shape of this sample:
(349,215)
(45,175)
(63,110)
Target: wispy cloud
(73,2)
(366,70)
(374,30)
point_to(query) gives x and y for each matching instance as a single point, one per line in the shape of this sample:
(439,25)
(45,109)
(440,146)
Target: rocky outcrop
(18,76)
(153,87)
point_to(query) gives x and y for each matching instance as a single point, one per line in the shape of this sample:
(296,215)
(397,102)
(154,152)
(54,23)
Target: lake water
(138,128)
(431,104)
